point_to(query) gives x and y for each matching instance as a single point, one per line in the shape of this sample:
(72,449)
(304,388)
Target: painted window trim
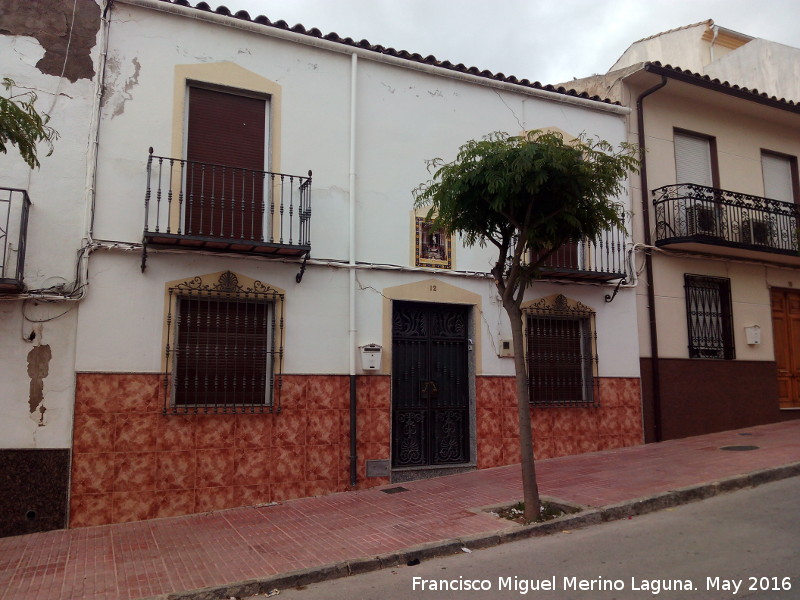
(231,78)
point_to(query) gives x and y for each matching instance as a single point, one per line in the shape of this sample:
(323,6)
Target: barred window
(561,359)
(708,314)
(224,347)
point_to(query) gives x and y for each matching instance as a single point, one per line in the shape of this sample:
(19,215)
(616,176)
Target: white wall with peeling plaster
(19,426)
(56,229)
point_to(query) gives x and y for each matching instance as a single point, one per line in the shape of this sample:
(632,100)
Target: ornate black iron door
(430,384)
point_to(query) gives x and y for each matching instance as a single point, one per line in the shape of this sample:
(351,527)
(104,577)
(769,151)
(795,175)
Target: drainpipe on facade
(352,273)
(648,261)
(713,41)
(82,268)
(97,108)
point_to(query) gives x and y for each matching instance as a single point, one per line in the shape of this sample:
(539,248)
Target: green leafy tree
(22,126)
(527,196)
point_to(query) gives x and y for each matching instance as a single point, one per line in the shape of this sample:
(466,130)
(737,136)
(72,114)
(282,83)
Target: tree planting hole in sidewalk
(548,512)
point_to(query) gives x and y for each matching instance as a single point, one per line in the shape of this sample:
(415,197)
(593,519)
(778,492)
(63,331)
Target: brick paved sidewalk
(151,558)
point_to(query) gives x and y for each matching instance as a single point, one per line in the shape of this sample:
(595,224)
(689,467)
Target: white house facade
(265,316)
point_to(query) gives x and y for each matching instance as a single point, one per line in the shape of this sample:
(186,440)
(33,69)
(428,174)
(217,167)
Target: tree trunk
(530,488)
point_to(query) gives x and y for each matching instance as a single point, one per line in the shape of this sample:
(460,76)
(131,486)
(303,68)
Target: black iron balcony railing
(14,207)
(214,207)
(603,259)
(689,213)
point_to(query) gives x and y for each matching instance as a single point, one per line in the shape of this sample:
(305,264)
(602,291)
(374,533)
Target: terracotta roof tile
(707,23)
(743,92)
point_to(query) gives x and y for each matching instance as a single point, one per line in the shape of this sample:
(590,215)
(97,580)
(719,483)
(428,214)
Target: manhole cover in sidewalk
(739,448)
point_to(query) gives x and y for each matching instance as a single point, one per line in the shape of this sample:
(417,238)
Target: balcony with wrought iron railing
(14,208)
(700,218)
(195,205)
(601,259)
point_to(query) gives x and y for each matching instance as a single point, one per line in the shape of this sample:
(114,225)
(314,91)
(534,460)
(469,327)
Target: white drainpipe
(352,270)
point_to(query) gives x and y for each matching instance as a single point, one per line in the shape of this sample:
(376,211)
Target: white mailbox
(753,335)
(371,357)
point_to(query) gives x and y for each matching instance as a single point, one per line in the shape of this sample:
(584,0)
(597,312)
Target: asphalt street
(744,544)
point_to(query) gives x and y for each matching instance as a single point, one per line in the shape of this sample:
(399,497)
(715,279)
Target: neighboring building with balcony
(718,230)
(270,234)
(720,53)
(43,256)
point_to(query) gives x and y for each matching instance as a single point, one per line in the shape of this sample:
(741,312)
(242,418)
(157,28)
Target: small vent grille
(395,490)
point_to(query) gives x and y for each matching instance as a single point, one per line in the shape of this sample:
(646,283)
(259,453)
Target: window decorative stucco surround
(223,345)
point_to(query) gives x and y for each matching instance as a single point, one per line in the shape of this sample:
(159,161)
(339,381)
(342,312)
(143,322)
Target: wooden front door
(430,384)
(786,331)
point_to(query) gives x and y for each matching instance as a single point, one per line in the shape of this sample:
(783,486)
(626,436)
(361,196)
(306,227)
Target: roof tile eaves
(726,85)
(707,22)
(403,54)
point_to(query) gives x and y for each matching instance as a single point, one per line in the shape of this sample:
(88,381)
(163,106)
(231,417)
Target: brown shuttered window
(223,352)
(559,359)
(566,257)
(560,353)
(225,150)
(224,347)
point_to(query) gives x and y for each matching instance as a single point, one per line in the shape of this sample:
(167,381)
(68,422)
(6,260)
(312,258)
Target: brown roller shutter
(566,257)
(225,171)
(556,360)
(223,351)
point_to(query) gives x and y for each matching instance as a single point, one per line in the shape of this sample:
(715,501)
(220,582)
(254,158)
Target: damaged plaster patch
(51,28)
(38,368)
(116,94)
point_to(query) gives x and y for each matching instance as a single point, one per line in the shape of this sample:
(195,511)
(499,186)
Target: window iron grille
(708,313)
(561,353)
(224,348)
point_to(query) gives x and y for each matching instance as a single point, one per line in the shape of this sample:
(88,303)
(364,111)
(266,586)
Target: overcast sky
(549,41)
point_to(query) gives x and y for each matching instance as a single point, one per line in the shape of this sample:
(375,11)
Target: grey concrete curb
(589,516)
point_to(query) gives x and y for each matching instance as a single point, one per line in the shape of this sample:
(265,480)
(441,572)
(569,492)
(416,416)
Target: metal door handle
(428,390)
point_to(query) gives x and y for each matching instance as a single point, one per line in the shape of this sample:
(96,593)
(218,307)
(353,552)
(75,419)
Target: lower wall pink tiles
(131,462)
(557,431)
